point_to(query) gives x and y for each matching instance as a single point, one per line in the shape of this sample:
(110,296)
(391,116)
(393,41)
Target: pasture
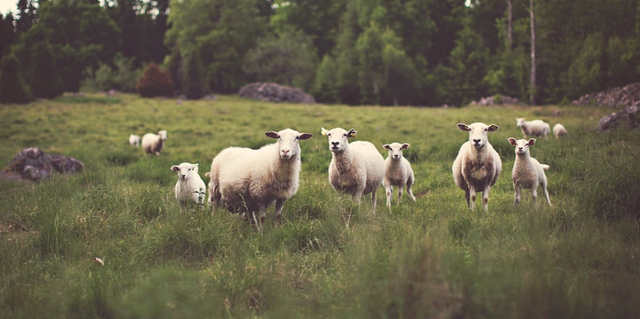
(329,257)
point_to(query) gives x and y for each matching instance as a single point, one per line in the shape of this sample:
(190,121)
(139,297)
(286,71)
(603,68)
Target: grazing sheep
(244,180)
(190,187)
(134,140)
(535,127)
(559,130)
(356,168)
(152,143)
(398,172)
(477,166)
(527,172)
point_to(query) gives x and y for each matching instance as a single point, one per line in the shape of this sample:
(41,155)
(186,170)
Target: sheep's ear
(405,146)
(464,127)
(512,141)
(493,127)
(324,131)
(272,134)
(352,132)
(305,136)
(532,141)
(386,146)
(175,168)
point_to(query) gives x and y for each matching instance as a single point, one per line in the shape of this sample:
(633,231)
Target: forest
(354,52)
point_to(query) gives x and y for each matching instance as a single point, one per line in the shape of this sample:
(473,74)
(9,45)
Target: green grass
(329,258)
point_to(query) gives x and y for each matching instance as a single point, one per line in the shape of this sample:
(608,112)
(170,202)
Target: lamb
(477,166)
(356,168)
(535,127)
(398,172)
(245,180)
(134,140)
(190,186)
(559,130)
(527,172)
(152,143)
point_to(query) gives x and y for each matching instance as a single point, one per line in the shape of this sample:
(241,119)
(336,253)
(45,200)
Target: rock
(272,92)
(35,165)
(614,97)
(497,100)
(630,114)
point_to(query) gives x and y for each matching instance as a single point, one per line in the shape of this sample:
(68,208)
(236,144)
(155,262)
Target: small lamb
(559,130)
(398,172)
(152,143)
(477,166)
(527,172)
(190,187)
(535,127)
(134,140)
(356,168)
(245,180)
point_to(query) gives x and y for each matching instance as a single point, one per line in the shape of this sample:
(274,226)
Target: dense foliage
(12,87)
(154,82)
(45,82)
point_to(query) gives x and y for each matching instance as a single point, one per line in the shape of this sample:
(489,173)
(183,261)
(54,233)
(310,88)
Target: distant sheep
(535,127)
(356,168)
(134,140)
(477,166)
(559,130)
(245,180)
(190,187)
(398,172)
(152,143)
(527,173)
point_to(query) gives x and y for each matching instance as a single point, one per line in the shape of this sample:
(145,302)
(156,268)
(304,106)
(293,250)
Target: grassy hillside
(330,258)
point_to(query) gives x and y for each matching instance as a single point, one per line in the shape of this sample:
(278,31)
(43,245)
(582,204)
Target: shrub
(12,87)
(121,77)
(154,82)
(46,82)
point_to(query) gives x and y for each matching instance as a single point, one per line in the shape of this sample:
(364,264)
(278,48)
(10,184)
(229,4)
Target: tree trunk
(509,25)
(532,88)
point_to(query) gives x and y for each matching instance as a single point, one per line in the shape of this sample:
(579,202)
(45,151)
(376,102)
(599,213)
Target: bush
(121,77)
(154,82)
(12,87)
(46,82)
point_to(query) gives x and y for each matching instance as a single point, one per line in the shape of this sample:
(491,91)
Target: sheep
(535,127)
(477,166)
(527,172)
(356,168)
(134,140)
(152,143)
(559,130)
(190,186)
(398,172)
(245,180)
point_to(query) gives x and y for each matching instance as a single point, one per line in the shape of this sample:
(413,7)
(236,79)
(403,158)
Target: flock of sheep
(248,181)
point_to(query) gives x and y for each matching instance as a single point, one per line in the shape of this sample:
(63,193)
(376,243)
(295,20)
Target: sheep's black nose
(476,141)
(335,143)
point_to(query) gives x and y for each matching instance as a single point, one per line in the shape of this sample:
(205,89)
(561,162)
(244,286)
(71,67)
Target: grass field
(429,259)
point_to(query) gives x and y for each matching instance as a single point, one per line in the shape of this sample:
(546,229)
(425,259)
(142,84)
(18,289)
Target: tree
(193,86)
(27,15)
(45,82)
(532,85)
(154,82)
(12,87)
(8,36)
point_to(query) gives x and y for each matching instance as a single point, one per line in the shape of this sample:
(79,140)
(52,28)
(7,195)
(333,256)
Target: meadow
(329,257)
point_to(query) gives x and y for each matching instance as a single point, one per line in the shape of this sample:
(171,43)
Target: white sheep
(134,140)
(245,180)
(477,166)
(356,168)
(527,172)
(559,130)
(152,143)
(398,172)
(535,127)
(190,187)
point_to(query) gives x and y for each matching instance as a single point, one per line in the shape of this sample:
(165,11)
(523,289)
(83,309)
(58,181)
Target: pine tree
(12,87)
(46,82)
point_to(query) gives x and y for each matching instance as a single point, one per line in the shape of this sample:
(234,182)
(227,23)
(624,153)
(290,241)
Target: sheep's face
(520,121)
(338,138)
(288,142)
(522,146)
(395,150)
(184,170)
(163,135)
(478,133)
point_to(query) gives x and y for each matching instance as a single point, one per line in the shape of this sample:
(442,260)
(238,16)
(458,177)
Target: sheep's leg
(516,199)
(278,215)
(485,198)
(254,221)
(374,200)
(534,192)
(409,184)
(466,197)
(263,215)
(472,195)
(389,191)
(400,194)
(546,193)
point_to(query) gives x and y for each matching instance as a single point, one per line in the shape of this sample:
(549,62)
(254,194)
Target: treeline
(391,52)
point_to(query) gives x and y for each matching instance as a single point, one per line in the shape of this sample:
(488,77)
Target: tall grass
(329,257)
